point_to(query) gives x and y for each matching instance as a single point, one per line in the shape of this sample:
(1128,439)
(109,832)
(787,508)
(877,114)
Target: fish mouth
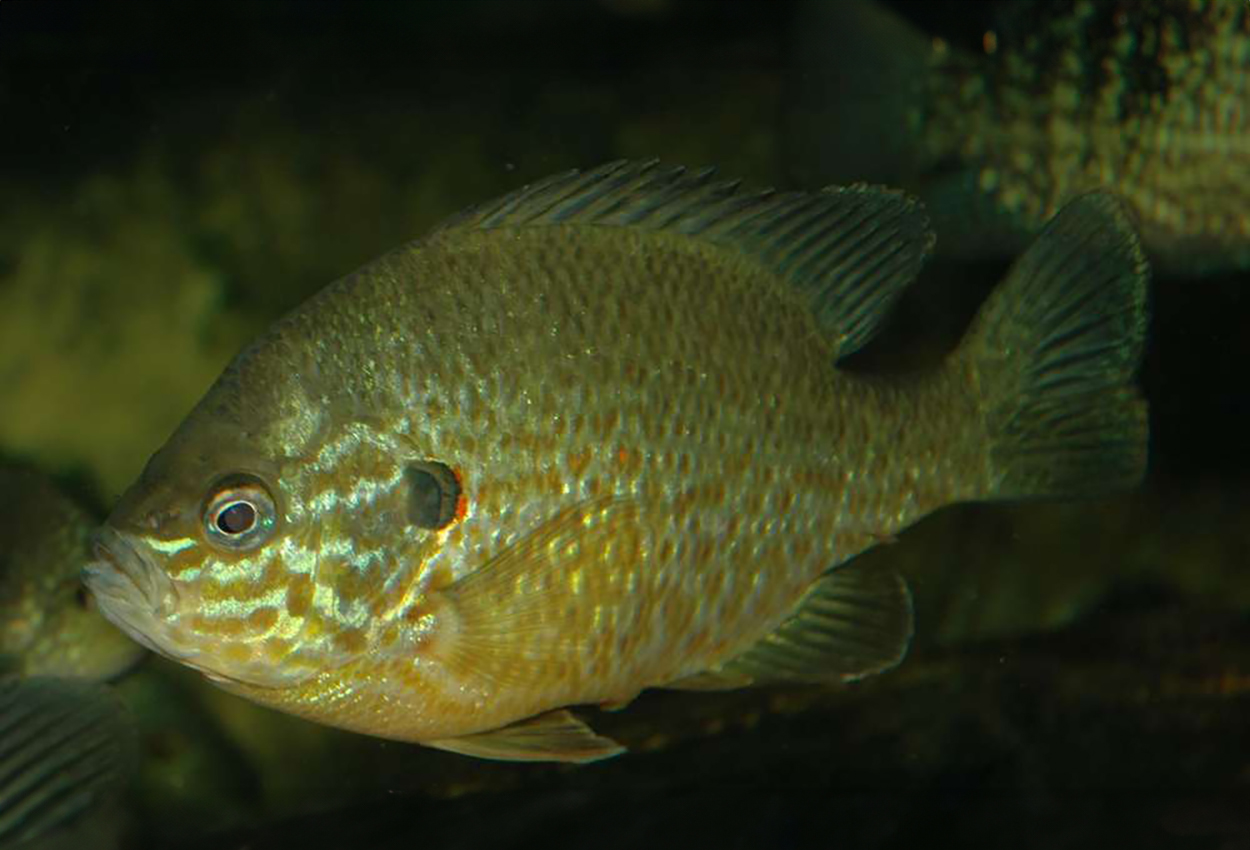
(133,593)
(119,561)
(140,598)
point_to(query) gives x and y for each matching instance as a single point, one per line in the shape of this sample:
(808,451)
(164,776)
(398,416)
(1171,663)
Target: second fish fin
(524,613)
(554,736)
(854,621)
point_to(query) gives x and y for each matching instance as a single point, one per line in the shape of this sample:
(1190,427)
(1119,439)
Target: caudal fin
(1053,355)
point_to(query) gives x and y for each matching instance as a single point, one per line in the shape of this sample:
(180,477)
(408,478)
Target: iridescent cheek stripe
(172,547)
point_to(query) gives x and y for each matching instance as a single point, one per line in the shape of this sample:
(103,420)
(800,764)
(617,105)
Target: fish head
(193,560)
(266,563)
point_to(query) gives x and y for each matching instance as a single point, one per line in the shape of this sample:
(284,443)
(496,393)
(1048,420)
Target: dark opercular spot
(433,492)
(237,518)
(82,597)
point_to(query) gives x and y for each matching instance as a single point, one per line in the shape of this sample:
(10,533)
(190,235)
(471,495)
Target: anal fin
(853,622)
(554,736)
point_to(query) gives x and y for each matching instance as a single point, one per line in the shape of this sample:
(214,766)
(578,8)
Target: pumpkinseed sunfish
(591,438)
(49,625)
(1148,98)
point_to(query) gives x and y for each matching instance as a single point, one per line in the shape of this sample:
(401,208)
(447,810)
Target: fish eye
(240,514)
(433,494)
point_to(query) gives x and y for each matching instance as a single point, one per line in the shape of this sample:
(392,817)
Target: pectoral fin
(854,622)
(526,611)
(554,736)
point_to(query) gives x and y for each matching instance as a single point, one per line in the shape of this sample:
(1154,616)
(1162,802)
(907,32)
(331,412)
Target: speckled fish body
(1149,99)
(590,438)
(49,625)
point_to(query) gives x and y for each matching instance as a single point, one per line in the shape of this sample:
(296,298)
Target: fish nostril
(155,520)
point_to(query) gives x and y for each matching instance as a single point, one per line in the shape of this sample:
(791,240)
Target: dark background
(1060,749)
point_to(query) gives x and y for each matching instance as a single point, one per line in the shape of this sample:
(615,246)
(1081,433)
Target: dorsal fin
(849,251)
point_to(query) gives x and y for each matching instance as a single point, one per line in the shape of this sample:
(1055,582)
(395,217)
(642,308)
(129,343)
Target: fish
(49,623)
(67,748)
(592,438)
(1148,99)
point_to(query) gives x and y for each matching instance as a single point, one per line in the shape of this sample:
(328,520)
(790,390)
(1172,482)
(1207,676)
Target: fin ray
(853,622)
(1054,352)
(554,736)
(848,251)
(66,746)
(509,611)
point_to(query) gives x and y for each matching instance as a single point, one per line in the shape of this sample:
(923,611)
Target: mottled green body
(755,465)
(656,457)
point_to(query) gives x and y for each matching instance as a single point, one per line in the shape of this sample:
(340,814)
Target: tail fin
(1053,354)
(856,93)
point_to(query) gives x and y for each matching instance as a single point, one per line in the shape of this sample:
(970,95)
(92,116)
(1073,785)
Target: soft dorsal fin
(849,251)
(854,622)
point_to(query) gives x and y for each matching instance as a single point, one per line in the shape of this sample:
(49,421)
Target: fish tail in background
(858,93)
(1052,356)
(66,747)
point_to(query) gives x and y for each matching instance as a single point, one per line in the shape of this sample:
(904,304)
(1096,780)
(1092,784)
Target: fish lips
(133,593)
(141,599)
(121,566)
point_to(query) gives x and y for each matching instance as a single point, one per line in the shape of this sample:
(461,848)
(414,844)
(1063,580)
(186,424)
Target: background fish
(49,625)
(66,747)
(1146,98)
(590,438)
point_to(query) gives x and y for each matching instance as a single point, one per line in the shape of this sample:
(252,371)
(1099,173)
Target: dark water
(173,176)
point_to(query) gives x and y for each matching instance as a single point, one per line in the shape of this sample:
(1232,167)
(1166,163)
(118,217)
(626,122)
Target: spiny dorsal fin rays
(849,251)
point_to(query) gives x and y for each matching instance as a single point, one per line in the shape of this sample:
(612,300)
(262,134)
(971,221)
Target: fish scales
(543,315)
(1148,97)
(1145,97)
(520,466)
